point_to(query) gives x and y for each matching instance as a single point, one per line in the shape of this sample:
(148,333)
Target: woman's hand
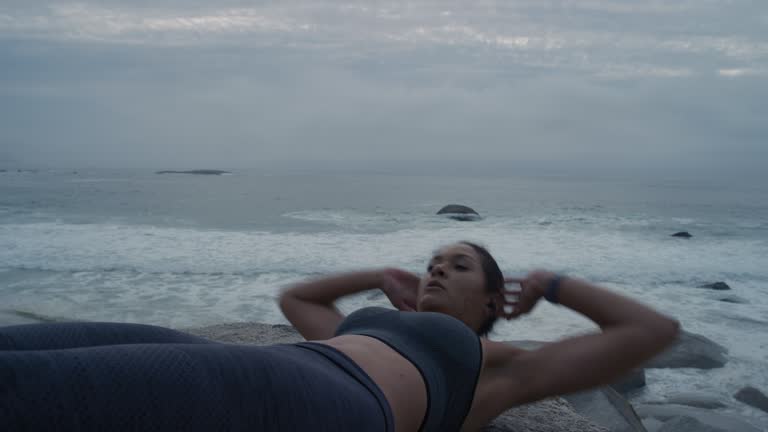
(532,288)
(401,287)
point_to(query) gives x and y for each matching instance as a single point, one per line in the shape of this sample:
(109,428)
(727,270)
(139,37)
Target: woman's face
(455,285)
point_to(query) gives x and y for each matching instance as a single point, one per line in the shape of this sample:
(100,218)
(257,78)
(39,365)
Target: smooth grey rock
(605,407)
(718,286)
(652,425)
(752,397)
(630,382)
(698,400)
(249,333)
(682,234)
(691,351)
(16,317)
(733,299)
(724,422)
(459,212)
(687,424)
(551,415)
(197,171)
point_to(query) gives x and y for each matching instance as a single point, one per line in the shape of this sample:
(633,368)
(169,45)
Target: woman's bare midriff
(398,378)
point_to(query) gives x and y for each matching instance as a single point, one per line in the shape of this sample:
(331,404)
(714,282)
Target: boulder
(752,397)
(16,317)
(459,212)
(605,407)
(733,299)
(718,286)
(687,424)
(652,425)
(721,422)
(551,415)
(682,234)
(634,380)
(197,171)
(690,351)
(249,333)
(698,400)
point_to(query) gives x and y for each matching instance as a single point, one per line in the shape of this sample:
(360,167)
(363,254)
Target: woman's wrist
(552,290)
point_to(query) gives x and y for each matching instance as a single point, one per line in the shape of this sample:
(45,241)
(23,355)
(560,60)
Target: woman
(423,367)
(475,381)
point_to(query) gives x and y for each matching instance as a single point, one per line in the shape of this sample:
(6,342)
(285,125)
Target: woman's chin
(430,303)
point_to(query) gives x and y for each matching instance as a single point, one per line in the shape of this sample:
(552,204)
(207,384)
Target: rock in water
(690,351)
(733,299)
(634,380)
(682,234)
(752,397)
(698,400)
(718,286)
(459,212)
(720,422)
(199,172)
(687,424)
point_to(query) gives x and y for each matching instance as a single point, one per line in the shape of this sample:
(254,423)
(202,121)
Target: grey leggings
(115,377)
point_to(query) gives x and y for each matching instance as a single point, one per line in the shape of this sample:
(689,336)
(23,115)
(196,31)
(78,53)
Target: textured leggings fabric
(126,377)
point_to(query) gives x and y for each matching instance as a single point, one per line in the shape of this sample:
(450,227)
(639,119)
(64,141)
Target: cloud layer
(596,82)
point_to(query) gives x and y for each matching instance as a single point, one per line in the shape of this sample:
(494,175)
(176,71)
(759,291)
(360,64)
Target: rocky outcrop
(249,333)
(630,382)
(606,408)
(681,418)
(733,299)
(459,212)
(686,424)
(682,234)
(691,351)
(198,171)
(717,286)
(552,415)
(752,397)
(692,399)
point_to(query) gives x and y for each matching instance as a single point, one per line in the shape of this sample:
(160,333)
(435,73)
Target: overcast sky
(165,83)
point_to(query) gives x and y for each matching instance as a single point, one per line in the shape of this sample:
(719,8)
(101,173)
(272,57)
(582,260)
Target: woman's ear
(493,304)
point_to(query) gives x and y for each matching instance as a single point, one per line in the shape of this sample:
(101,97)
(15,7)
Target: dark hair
(494,283)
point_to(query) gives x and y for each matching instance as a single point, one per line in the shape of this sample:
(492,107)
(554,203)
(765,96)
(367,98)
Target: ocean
(192,250)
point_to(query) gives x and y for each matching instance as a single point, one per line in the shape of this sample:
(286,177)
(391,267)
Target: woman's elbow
(665,331)
(672,329)
(285,298)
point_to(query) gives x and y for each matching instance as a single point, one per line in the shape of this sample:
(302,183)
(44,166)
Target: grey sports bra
(447,353)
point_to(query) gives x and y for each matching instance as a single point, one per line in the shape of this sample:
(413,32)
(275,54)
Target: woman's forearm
(326,290)
(309,305)
(608,309)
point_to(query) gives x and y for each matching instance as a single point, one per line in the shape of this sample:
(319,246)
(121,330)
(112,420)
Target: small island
(197,171)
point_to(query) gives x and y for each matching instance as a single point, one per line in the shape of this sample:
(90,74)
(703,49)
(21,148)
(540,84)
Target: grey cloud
(610,83)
